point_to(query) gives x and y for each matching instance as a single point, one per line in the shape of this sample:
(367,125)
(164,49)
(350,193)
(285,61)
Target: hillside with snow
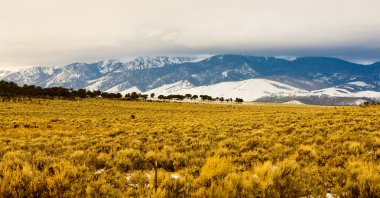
(248,90)
(3,73)
(228,76)
(253,89)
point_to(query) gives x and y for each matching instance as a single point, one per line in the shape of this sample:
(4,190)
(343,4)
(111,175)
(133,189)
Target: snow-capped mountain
(95,76)
(247,77)
(3,73)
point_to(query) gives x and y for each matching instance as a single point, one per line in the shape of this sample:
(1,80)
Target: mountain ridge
(148,73)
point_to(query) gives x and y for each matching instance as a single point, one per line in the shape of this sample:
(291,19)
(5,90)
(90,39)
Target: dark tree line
(195,97)
(11,89)
(370,103)
(137,96)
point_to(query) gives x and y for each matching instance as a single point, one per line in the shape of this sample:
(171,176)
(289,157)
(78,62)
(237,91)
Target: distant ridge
(304,76)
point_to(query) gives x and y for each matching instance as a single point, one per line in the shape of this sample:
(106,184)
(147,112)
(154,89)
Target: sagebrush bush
(92,148)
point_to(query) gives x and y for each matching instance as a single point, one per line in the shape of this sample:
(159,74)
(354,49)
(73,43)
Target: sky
(58,32)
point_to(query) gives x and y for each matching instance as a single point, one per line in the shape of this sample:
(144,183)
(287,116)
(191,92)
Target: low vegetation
(116,148)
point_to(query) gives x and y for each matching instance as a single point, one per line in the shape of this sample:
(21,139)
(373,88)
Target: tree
(188,96)
(161,97)
(82,93)
(152,95)
(134,96)
(206,97)
(239,100)
(143,96)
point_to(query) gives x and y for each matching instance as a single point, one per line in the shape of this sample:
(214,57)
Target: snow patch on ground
(175,176)
(100,171)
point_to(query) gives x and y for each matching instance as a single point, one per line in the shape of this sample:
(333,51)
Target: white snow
(359,102)
(288,58)
(359,83)
(368,94)
(96,84)
(200,58)
(252,89)
(130,90)
(332,91)
(100,171)
(248,89)
(4,73)
(173,88)
(125,86)
(225,73)
(67,75)
(114,89)
(294,102)
(175,176)
(156,62)
(340,92)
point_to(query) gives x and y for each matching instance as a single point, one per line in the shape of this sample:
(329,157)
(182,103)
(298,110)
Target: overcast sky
(57,32)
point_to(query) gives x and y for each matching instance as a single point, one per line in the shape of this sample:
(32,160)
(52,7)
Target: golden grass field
(95,148)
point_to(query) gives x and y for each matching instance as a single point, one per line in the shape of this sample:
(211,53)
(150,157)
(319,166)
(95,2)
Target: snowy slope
(96,84)
(3,73)
(130,90)
(122,87)
(248,90)
(359,83)
(156,62)
(253,89)
(34,75)
(174,88)
(339,92)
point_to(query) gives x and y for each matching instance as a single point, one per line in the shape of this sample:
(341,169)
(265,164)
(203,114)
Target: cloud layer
(54,32)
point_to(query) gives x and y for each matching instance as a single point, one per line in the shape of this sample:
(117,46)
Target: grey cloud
(45,32)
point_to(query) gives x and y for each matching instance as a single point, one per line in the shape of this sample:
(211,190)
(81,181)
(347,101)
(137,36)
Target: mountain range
(247,77)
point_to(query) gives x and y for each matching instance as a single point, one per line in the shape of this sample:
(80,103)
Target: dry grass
(95,147)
